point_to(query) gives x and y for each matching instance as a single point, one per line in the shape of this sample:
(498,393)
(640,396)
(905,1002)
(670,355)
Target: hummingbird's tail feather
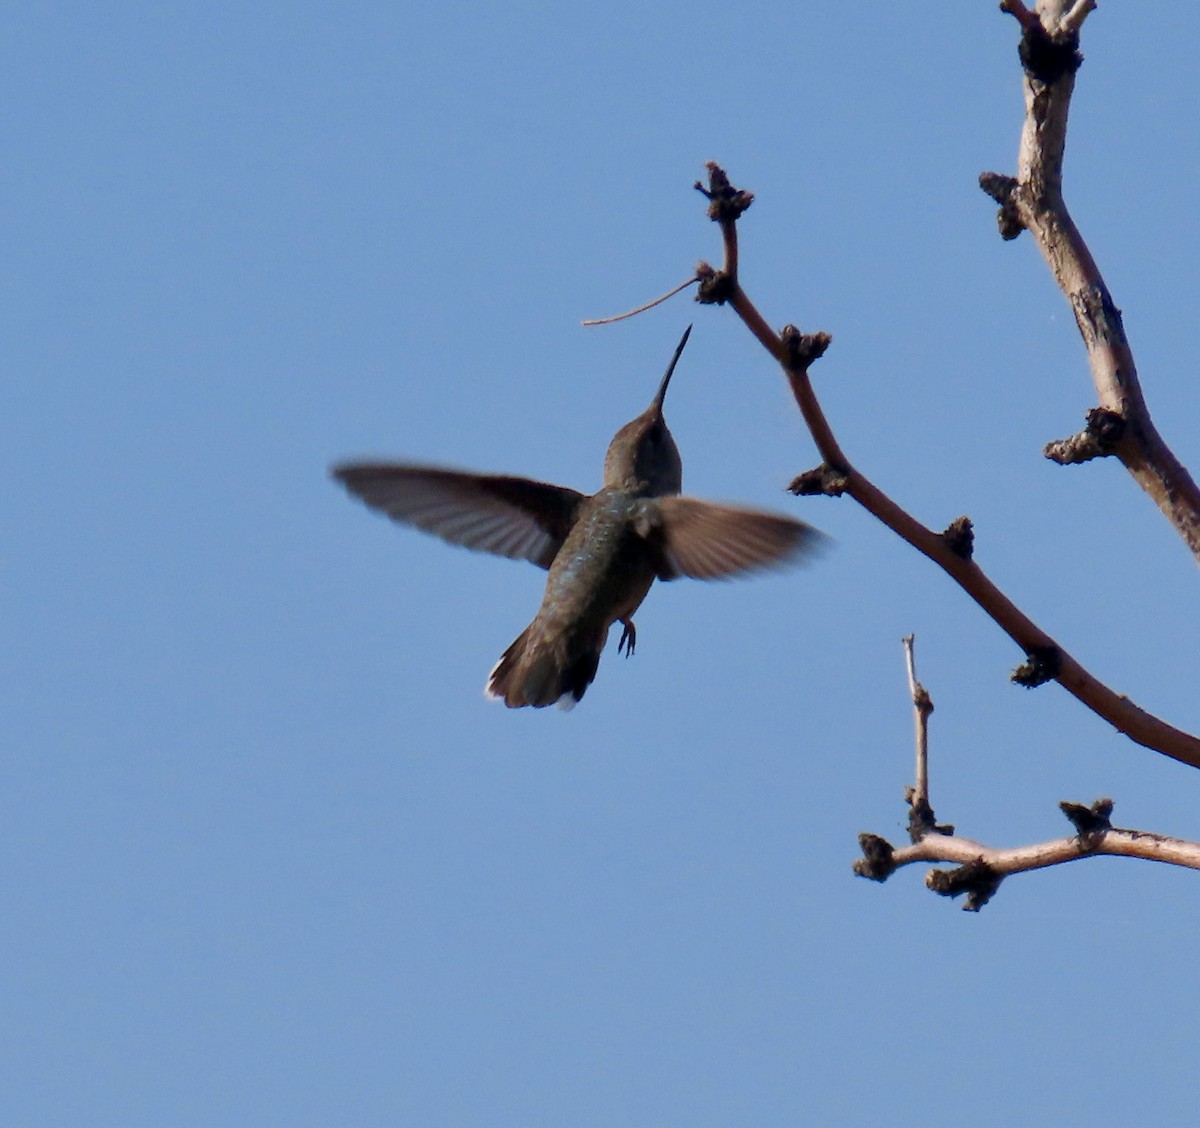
(535,672)
(500,681)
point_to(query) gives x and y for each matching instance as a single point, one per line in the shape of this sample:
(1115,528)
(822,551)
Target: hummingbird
(603,551)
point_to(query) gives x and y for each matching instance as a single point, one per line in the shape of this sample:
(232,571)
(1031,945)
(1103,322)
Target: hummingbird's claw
(628,638)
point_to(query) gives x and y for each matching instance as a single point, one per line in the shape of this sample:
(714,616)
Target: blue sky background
(270,858)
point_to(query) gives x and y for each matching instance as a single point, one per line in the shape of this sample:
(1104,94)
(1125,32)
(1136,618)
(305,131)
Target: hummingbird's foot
(628,638)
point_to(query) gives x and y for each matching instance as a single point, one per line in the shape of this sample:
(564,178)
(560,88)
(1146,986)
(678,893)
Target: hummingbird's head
(643,455)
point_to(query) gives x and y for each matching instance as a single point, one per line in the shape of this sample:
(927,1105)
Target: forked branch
(980,869)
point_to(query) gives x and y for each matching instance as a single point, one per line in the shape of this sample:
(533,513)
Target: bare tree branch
(1034,202)
(980,869)
(922,708)
(921,819)
(950,550)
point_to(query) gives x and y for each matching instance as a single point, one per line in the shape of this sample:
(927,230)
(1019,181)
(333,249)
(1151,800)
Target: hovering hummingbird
(602,551)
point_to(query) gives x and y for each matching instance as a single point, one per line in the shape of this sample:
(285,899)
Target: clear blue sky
(270,858)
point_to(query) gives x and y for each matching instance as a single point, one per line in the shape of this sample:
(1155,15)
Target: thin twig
(642,308)
(922,707)
(921,819)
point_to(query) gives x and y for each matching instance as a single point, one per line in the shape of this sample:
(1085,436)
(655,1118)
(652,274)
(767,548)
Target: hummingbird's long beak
(662,388)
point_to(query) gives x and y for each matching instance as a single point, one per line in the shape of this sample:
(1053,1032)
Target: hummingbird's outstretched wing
(710,542)
(512,517)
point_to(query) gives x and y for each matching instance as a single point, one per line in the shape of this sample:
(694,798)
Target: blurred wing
(511,517)
(712,542)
